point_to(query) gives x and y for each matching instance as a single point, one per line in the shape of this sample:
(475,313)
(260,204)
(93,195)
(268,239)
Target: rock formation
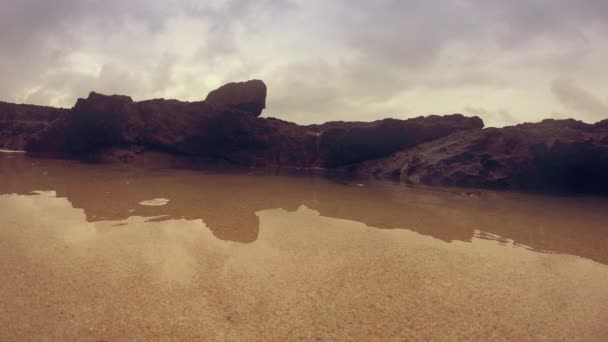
(551,156)
(450,150)
(20,122)
(226,127)
(249,97)
(347,145)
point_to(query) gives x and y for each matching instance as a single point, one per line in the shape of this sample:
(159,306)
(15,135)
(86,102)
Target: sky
(505,61)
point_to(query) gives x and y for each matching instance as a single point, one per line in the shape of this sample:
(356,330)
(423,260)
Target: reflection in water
(253,257)
(227,203)
(157,202)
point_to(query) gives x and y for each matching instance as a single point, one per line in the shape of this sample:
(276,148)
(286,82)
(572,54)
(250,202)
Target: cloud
(40,38)
(580,101)
(344,59)
(111,79)
(496,118)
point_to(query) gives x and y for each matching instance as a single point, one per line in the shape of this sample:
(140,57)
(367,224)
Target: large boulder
(566,156)
(248,97)
(344,143)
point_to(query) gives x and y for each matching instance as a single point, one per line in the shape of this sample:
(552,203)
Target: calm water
(92,252)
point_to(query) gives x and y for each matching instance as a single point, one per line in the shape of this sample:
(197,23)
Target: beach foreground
(107,253)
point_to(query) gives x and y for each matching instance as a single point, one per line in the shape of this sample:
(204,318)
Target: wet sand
(112,253)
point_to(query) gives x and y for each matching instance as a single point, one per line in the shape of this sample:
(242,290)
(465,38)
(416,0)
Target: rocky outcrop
(249,97)
(15,134)
(206,128)
(28,113)
(342,144)
(226,127)
(566,156)
(602,124)
(20,122)
(101,121)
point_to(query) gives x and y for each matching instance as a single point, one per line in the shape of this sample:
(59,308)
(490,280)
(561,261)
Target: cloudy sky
(506,61)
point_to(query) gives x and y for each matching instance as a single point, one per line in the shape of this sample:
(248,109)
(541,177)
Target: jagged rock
(197,128)
(96,122)
(223,128)
(602,124)
(343,143)
(248,97)
(15,134)
(451,150)
(29,113)
(550,156)
(19,122)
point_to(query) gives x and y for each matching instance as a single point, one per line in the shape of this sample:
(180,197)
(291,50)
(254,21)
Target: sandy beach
(301,258)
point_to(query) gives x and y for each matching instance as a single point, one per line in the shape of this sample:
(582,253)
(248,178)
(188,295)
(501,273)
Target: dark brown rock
(343,143)
(96,122)
(222,128)
(602,124)
(15,134)
(100,121)
(248,97)
(25,112)
(18,122)
(551,156)
(451,150)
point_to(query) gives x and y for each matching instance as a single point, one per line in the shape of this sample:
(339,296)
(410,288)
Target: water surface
(98,252)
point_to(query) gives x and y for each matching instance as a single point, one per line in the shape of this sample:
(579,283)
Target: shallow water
(94,252)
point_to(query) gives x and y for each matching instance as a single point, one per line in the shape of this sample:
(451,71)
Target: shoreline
(227,129)
(169,162)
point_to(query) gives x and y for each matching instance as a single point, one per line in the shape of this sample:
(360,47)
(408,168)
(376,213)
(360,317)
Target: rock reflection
(228,202)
